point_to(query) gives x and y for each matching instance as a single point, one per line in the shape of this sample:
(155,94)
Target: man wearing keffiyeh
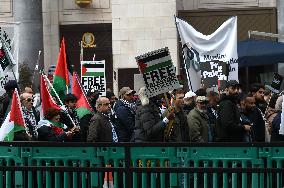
(31,116)
(102,129)
(125,111)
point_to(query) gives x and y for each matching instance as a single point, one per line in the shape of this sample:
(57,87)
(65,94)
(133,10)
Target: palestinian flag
(61,77)
(95,70)
(47,100)
(14,121)
(149,62)
(83,107)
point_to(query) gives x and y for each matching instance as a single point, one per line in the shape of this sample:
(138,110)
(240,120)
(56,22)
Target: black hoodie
(228,126)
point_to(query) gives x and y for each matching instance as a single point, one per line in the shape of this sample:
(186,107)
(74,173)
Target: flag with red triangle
(83,106)
(14,121)
(61,78)
(47,100)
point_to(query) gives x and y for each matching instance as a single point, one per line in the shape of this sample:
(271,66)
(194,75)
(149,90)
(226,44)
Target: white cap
(189,95)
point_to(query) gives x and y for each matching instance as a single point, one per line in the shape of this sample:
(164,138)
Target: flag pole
(83,90)
(185,67)
(81,51)
(36,67)
(66,111)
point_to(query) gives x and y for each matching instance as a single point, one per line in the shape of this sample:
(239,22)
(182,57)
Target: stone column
(29,14)
(280,26)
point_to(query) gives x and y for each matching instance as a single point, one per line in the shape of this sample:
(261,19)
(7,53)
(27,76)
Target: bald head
(28,90)
(103,105)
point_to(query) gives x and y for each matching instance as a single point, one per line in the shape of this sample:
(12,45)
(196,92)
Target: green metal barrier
(42,165)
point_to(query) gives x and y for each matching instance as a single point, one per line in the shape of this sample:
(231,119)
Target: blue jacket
(126,121)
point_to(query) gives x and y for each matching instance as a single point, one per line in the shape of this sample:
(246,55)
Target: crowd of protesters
(178,116)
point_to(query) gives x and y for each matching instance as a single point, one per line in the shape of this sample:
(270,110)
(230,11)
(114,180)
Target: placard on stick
(159,73)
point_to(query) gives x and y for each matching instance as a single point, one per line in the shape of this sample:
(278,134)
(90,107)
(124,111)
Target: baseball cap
(189,95)
(232,83)
(201,99)
(126,90)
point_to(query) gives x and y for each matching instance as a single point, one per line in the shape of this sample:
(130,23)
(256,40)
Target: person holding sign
(179,132)
(149,126)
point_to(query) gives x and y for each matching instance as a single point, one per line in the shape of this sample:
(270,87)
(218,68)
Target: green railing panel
(123,157)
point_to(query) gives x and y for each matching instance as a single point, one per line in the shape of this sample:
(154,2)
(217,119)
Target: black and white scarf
(30,121)
(130,105)
(114,135)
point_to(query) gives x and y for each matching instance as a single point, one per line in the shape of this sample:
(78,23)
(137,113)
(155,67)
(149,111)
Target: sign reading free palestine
(93,76)
(158,72)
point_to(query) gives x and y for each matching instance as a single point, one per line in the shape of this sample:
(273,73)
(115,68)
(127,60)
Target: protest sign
(213,72)
(158,72)
(93,76)
(276,83)
(198,48)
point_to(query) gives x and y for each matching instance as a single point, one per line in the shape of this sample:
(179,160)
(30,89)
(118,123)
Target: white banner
(9,45)
(93,76)
(220,46)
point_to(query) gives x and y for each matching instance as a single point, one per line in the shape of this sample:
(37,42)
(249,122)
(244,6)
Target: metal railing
(44,164)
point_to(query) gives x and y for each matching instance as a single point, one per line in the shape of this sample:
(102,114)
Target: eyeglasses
(106,104)
(30,100)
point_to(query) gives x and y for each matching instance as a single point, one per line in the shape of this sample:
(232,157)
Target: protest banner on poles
(159,73)
(198,48)
(93,76)
(8,53)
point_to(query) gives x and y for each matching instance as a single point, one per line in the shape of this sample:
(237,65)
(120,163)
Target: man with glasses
(102,129)
(125,109)
(31,115)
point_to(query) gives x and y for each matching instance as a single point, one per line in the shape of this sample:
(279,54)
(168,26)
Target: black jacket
(84,126)
(228,126)
(45,133)
(125,125)
(179,131)
(258,125)
(100,129)
(149,126)
(275,136)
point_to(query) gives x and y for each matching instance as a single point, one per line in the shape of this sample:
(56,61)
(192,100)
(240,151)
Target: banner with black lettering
(158,72)
(276,83)
(8,54)
(220,46)
(93,76)
(213,73)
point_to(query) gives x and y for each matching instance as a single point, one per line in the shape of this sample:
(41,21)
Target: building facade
(124,29)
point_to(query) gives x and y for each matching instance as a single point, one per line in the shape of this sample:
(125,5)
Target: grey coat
(198,126)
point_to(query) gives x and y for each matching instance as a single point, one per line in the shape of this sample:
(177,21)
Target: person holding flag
(31,115)
(14,127)
(83,109)
(50,129)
